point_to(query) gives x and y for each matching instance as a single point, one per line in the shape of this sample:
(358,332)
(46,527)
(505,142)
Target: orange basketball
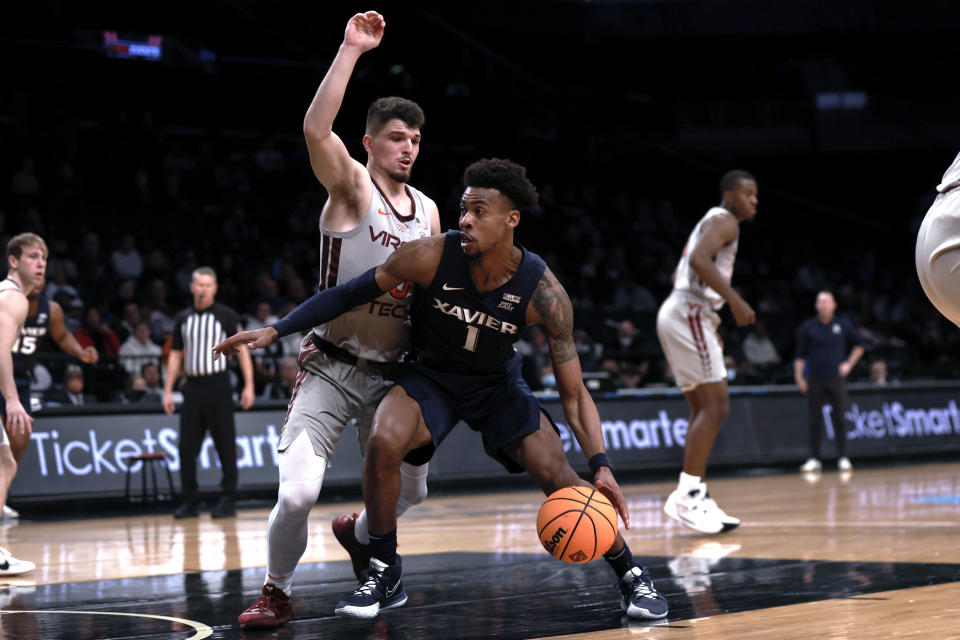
(577,524)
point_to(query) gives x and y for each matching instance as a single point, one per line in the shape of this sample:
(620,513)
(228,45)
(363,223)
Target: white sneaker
(811,465)
(729,522)
(10,513)
(691,510)
(844,464)
(10,566)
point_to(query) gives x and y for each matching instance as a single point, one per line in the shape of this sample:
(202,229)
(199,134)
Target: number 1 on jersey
(472,334)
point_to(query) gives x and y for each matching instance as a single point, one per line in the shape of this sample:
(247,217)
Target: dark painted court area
(463,595)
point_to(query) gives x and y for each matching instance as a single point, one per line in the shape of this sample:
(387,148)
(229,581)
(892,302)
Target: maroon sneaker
(343,526)
(271,610)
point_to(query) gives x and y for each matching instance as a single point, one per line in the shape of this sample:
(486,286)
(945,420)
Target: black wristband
(600,460)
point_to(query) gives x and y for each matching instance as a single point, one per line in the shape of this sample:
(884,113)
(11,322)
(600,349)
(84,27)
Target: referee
(207,397)
(821,344)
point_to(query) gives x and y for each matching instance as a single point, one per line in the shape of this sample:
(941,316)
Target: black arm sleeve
(330,303)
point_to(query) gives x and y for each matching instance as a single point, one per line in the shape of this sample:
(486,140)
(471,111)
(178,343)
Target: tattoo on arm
(552,303)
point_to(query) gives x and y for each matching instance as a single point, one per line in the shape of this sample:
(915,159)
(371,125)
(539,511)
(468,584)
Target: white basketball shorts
(938,254)
(687,328)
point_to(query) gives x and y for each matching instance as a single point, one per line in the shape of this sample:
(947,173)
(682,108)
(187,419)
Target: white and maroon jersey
(687,279)
(951,179)
(377,330)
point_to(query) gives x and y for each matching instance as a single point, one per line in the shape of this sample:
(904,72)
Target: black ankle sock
(621,561)
(383,547)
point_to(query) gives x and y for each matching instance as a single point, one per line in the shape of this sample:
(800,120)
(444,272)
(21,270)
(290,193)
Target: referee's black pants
(207,405)
(819,392)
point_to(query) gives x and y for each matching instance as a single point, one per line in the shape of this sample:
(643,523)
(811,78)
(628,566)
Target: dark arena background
(144,141)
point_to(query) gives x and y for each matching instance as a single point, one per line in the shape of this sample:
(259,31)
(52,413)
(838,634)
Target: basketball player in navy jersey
(43,316)
(476,290)
(27,261)
(346,364)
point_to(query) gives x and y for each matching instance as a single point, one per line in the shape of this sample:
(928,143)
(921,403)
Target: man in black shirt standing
(821,345)
(207,397)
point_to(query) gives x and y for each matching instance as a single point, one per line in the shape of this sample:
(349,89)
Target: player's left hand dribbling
(607,485)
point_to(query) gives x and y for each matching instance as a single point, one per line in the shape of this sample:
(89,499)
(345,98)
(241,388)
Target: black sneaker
(382,590)
(226,508)
(639,598)
(187,510)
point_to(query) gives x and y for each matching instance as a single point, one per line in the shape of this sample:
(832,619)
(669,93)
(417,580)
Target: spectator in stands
(72,394)
(281,387)
(878,372)
(262,317)
(139,349)
(24,181)
(126,260)
(633,297)
(158,311)
(626,347)
(758,349)
(588,350)
(58,286)
(95,333)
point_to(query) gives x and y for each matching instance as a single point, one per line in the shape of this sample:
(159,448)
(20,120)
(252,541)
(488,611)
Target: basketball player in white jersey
(346,364)
(687,326)
(27,260)
(938,246)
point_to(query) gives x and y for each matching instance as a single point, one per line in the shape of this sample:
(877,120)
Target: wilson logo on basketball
(551,544)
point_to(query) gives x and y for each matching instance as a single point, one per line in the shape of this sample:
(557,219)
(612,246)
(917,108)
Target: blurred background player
(43,316)
(938,245)
(346,365)
(820,371)
(27,261)
(207,396)
(687,326)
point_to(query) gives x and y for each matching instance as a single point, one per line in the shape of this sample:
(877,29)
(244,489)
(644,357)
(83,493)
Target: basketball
(577,524)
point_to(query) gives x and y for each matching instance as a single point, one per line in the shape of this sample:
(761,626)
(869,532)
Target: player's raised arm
(332,164)
(719,232)
(414,261)
(551,307)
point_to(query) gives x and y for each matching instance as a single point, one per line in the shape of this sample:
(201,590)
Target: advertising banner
(86,455)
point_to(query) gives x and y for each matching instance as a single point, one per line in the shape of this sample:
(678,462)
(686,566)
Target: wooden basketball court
(874,554)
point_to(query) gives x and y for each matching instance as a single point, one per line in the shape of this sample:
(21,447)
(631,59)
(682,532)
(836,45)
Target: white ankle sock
(688,482)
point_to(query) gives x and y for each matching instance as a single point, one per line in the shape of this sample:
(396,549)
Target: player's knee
(296,499)
(385,448)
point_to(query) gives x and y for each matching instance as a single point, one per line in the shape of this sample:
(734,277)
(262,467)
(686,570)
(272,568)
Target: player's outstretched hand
(607,485)
(256,339)
(89,355)
(364,31)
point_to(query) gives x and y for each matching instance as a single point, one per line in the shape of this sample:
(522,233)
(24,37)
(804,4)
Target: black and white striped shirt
(196,333)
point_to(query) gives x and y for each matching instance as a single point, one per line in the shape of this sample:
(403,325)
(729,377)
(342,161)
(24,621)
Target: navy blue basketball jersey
(456,328)
(34,328)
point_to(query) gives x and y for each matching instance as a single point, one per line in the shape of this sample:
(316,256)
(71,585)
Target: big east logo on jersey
(474,317)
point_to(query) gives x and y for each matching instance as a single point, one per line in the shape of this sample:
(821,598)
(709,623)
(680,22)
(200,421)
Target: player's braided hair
(509,178)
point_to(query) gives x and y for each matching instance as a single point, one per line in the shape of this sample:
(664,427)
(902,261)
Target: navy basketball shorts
(499,406)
